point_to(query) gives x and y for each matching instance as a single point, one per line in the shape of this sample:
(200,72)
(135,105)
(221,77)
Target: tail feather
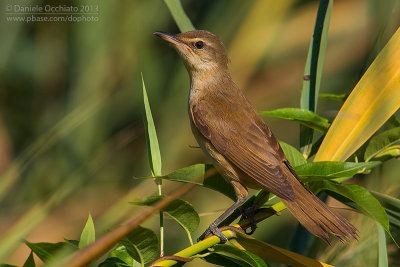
(316,216)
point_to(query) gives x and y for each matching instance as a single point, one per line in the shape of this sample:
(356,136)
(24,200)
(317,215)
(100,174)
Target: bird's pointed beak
(171,39)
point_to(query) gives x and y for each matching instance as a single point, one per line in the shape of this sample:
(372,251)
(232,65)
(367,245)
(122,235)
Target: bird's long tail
(316,216)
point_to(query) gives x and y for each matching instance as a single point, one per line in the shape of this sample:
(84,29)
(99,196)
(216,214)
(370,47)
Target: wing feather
(244,139)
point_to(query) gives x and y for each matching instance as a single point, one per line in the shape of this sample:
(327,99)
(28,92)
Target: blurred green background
(71,131)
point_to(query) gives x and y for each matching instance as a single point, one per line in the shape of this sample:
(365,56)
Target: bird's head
(201,50)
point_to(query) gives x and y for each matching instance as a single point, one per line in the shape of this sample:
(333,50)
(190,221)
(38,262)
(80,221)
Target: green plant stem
(213,240)
(159,183)
(196,248)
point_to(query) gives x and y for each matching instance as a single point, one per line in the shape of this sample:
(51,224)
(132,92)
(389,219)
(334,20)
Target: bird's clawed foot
(213,229)
(249,214)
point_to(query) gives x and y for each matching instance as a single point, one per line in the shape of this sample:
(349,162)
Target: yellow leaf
(276,254)
(371,103)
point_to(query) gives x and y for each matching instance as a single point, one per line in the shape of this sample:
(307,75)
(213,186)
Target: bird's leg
(241,193)
(250,212)
(213,228)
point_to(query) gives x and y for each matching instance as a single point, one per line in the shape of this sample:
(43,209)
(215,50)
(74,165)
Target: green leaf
(381,143)
(392,207)
(142,245)
(191,173)
(358,195)
(45,250)
(382,252)
(181,211)
(337,97)
(333,169)
(303,116)
(122,254)
(30,261)
(222,260)
(239,255)
(74,243)
(292,154)
(306,134)
(316,56)
(388,153)
(88,234)
(7,265)
(179,15)
(306,98)
(151,136)
(114,262)
(313,70)
(394,121)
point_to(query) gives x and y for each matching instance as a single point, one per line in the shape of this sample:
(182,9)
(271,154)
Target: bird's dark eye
(199,45)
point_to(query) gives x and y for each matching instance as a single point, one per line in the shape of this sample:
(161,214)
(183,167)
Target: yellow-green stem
(159,183)
(213,240)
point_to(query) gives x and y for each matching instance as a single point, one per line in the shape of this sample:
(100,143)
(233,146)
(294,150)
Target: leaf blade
(382,252)
(180,210)
(371,103)
(276,254)
(45,250)
(151,136)
(294,156)
(303,116)
(179,15)
(241,255)
(121,253)
(360,196)
(380,142)
(141,244)
(333,169)
(88,234)
(30,261)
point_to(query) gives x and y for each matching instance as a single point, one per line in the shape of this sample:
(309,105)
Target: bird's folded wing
(246,141)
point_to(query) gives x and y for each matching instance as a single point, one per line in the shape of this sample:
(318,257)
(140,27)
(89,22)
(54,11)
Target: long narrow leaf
(392,207)
(151,136)
(315,57)
(333,169)
(276,254)
(382,252)
(372,102)
(313,70)
(30,261)
(336,97)
(179,15)
(303,116)
(360,196)
(381,143)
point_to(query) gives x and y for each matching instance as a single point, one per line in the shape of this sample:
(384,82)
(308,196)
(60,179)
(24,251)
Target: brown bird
(238,142)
